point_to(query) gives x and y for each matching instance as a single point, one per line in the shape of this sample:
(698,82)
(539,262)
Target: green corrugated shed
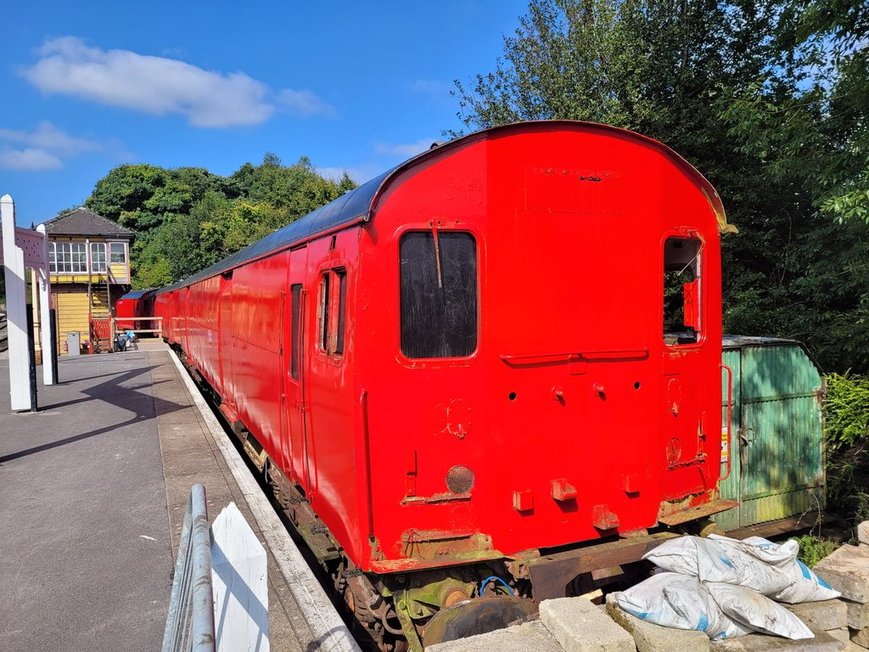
(777,465)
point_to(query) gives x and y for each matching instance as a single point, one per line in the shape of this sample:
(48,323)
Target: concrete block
(527,637)
(858,614)
(824,615)
(579,626)
(822,642)
(650,637)
(847,571)
(863,533)
(844,636)
(860,637)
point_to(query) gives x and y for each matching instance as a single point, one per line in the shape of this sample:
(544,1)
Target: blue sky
(356,86)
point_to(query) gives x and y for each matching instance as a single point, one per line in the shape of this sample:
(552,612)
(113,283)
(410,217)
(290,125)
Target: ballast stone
(822,642)
(527,637)
(650,637)
(823,615)
(847,571)
(580,626)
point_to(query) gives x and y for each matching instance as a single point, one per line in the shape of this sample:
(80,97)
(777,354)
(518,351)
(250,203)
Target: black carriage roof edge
(358,205)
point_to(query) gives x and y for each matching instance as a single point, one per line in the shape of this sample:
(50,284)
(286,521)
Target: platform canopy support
(24,248)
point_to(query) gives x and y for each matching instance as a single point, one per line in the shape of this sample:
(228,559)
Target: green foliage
(846,410)
(188,218)
(813,549)
(846,433)
(768,99)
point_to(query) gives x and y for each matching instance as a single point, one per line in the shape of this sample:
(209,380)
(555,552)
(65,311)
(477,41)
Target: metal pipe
(190,622)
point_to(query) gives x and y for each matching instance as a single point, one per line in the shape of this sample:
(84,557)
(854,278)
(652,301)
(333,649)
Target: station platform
(93,489)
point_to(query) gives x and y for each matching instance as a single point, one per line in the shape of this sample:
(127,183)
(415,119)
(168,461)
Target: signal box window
(438,278)
(333,300)
(98,257)
(118,252)
(682,290)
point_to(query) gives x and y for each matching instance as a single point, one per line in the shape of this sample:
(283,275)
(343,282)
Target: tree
(733,87)
(186,219)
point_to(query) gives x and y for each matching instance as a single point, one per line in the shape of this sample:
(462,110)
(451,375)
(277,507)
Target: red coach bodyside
(475,363)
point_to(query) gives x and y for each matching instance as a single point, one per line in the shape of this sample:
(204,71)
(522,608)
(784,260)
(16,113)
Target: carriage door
(294,392)
(682,427)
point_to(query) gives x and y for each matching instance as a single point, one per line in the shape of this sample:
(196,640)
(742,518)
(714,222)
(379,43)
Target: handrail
(568,356)
(157,331)
(190,623)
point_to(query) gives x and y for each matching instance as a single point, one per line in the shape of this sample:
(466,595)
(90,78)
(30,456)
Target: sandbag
(714,560)
(678,601)
(757,612)
(807,587)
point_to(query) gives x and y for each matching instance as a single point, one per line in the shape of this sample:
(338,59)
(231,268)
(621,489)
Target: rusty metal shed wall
(777,448)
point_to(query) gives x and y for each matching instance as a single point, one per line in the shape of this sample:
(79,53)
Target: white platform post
(16,310)
(239,580)
(49,346)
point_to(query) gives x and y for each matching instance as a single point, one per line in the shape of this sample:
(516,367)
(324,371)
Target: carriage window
(296,292)
(438,278)
(682,290)
(341,275)
(324,312)
(332,312)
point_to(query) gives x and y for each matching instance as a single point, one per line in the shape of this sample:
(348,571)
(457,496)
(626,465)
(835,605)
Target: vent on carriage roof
(83,221)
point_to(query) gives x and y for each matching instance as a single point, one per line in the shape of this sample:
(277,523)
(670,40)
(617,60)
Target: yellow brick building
(89,262)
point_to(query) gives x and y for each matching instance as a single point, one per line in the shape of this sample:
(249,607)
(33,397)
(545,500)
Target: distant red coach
(139,303)
(508,344)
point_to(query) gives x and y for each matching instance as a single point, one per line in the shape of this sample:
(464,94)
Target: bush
(813,549)
(846,433)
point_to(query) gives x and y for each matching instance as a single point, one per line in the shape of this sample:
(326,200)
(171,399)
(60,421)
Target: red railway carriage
(139,303)
(507,344)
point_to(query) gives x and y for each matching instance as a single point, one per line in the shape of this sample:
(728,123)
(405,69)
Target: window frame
(701,331)
(95,247)
(123,245)
(443,225)
(331,301)
(63,252)
(296,292)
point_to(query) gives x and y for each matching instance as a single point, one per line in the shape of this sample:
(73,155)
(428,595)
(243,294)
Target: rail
(190,623)
(157,331)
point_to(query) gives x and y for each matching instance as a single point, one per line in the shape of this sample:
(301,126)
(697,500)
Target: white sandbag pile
(726,587)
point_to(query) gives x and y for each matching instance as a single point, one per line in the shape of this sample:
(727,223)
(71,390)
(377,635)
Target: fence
(190,624)
(156,324)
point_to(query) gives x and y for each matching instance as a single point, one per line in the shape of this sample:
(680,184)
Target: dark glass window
(438,278)
(324,311)
(296,291)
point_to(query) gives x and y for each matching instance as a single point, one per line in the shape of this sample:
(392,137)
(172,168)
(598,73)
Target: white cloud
(44,148)
(161,86)
(405,150)
(304,103)
(48,137)
(29,159)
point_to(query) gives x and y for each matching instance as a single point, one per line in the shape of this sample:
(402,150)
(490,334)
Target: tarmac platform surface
(93,489)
